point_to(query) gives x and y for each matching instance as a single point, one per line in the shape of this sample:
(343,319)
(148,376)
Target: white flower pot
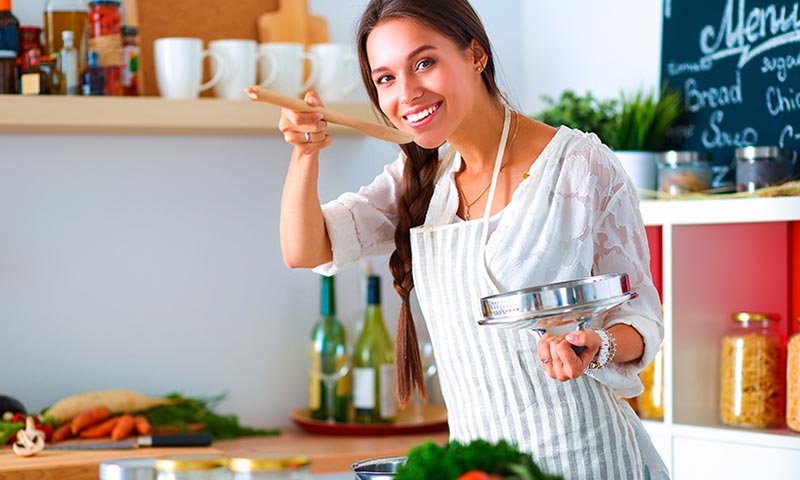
(641,168)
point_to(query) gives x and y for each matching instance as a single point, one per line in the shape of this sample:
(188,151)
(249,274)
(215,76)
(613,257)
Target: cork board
(205,19)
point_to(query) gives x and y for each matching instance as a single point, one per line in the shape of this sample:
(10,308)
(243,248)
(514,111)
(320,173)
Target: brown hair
(456,20)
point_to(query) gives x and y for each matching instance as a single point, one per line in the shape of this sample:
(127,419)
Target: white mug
(240,57)
(179,67)
(338,76)
(282,67)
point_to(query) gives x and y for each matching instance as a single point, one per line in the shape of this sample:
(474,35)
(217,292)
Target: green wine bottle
(329,389)
(374,395)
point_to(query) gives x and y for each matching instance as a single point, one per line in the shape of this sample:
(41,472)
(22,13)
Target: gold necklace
(468,204)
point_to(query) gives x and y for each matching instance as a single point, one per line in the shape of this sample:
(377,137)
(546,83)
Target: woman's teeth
(416,117)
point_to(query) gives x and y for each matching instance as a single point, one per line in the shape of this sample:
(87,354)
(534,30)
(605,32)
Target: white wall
(152,262)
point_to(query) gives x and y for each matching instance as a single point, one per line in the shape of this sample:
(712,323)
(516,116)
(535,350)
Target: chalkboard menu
(737,64)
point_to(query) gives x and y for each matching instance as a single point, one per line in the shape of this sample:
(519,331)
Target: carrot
(118,401)
(123,428)
(62,433)
(142,425)
(89,417)
(102,429)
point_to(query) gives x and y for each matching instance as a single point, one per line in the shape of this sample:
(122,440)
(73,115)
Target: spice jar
(683,172)
(270,467)
(192,467)
(758,167)
(793,382)
(651,402)
(751,373)
(105,38)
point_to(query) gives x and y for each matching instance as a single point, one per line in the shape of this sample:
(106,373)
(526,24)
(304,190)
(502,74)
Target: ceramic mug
(281,67)
(240,57)
(179,67)
(338,76)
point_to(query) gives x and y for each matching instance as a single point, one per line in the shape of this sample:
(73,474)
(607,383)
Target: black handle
(578,349)
(182,440)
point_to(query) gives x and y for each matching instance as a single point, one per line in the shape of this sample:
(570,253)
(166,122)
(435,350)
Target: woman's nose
(411,89)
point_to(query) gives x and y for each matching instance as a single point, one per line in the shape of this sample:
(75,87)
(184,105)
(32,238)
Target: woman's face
(426,84)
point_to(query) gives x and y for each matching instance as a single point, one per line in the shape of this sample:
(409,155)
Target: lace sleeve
(362,224)
(621,245)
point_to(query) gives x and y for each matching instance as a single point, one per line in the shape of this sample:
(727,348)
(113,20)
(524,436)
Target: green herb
(8,429)
(184,412)
(644,119)
(434,462)
(585,113)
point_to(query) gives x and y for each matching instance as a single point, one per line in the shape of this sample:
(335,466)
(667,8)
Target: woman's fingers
(305,129)
(559,360)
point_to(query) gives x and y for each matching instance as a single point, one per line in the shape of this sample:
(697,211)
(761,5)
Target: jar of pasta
(651,402)
(793,382)
(751,388)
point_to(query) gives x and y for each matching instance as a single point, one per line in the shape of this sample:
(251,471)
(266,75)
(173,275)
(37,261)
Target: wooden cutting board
(291,22)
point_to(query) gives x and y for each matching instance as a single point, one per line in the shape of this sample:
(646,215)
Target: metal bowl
(382,468)
(555,304)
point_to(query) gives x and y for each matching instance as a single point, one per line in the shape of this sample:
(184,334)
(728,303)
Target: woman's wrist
(606,353)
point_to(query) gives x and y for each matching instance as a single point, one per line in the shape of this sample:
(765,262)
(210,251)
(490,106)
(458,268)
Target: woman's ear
(478,54)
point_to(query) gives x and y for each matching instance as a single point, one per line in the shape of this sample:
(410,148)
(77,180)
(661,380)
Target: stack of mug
(240,63)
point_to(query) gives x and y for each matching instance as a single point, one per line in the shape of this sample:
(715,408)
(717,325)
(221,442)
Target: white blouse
(576,214)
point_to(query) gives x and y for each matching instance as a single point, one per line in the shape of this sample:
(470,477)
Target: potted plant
(639,131)
(584,112)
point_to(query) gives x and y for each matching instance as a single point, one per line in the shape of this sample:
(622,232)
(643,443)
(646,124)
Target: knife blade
(181,440)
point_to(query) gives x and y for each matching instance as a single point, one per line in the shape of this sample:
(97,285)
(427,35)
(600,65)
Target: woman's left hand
(560,361)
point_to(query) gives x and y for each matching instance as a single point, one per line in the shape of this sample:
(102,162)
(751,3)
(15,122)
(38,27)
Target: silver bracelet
(607,352)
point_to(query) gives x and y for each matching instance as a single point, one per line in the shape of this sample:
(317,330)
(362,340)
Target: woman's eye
(424,63)
(383,79)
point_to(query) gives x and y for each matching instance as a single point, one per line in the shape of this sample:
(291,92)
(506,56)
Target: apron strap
(488,210)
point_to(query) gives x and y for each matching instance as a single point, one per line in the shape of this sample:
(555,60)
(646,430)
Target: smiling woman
(556,205)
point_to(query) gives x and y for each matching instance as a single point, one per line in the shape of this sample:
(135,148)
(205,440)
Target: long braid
(419,177)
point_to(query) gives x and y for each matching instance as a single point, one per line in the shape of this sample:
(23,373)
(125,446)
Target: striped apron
(490,378)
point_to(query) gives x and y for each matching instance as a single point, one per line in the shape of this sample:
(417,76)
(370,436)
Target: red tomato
(476,475)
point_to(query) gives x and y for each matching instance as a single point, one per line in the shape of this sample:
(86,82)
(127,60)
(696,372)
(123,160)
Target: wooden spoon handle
(367,128)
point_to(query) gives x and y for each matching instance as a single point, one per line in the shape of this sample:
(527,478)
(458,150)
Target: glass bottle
(61,15)
(130,57)
(374,391)
(105,38)
(34,81)
(9,28)
(9,80)
(29,40)
(329,386)
(793,382)
(51,66)
(650,404)
(93,79)
(192,467)
(270,467)
(751,373)
(69,64)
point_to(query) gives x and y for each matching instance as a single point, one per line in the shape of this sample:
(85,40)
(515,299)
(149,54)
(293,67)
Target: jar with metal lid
(650,404)
(793,382)
(128,469)
(758,167)
(683,172)
(105,38)
(270,467)
(751,372)
(192,467)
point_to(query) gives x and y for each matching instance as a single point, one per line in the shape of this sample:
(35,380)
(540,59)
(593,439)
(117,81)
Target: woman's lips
(421,116)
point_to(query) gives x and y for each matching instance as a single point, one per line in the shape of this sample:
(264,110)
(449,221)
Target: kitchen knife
(367,128)
(187,440)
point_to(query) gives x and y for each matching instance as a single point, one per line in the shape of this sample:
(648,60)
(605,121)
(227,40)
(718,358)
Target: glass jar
(651,402)
(683,172)
(105,38)
(758,167)
(30,38)
(793,382)
(128,469)
(61,15)
(270,467)
(192,467)
(9,80)
(751,372)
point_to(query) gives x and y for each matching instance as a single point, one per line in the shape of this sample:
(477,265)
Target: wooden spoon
(367,128)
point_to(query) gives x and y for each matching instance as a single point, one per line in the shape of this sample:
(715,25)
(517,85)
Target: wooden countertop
(329,453)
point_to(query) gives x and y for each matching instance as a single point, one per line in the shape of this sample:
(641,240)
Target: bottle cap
(5,5)
(373,290)
(67,36)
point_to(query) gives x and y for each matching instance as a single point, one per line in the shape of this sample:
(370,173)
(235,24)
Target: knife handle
(181,440)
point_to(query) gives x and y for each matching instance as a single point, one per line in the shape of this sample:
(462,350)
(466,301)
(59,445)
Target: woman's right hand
(306,131)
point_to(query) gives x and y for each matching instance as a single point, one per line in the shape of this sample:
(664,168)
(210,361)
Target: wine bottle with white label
(374,391)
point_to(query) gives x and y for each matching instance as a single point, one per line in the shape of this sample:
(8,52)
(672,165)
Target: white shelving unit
(719,256)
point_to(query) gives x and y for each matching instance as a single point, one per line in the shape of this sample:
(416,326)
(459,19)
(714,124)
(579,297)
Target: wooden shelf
(151,115)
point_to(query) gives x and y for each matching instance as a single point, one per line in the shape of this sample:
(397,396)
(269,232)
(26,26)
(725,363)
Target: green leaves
(434,462)
(637,121)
